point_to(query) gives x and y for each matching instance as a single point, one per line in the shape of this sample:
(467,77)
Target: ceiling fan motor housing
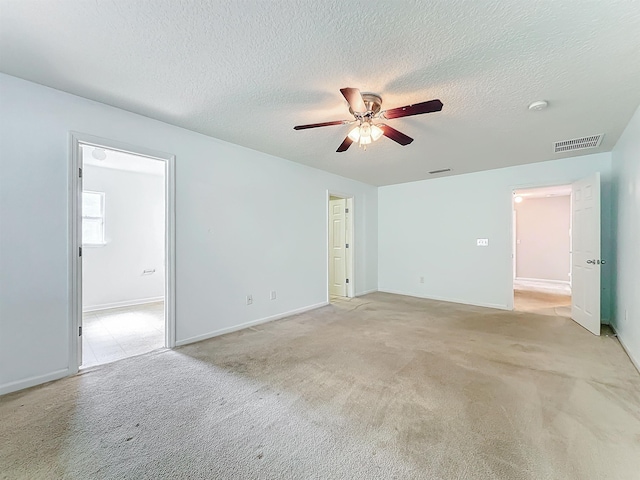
(373,103)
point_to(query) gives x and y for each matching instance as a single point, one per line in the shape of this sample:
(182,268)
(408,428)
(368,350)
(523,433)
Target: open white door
(585,253)
(79,228)
(337,247)
(348,253)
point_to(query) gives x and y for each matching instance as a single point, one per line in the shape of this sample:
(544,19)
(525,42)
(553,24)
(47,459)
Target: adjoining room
(542,250)
(123,255)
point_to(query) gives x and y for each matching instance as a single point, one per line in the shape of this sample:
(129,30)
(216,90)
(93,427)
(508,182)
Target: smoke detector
(592,141)
(99,154)
(539,105)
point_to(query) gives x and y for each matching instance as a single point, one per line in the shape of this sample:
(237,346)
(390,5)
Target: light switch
(482,242)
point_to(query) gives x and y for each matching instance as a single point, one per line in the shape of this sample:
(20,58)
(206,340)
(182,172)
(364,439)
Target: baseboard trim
(636,363)
(235,328)
(450,300)
(366,292)
(126,303)
(33,381)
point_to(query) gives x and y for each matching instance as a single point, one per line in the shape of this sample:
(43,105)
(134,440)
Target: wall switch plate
(482,242)
(421,279)
(273,295)
(249,299)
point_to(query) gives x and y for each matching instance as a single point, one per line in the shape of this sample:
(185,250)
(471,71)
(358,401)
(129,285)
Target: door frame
(350,223)
(512,192)
(77,139)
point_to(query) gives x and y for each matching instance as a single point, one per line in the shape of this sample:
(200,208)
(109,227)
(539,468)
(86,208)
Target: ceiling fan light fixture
(376,132)
(365,133)
(365,108)
(355,134)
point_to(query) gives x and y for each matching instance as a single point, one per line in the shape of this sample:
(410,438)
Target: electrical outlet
(273,295)
(482,242)
(249,299)
(421,279)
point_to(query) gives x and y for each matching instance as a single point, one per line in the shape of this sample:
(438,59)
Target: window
(93,218)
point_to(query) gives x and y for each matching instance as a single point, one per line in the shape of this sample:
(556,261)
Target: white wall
(112,275)
(246,222)
(626,168)
(542,238)
(429,228)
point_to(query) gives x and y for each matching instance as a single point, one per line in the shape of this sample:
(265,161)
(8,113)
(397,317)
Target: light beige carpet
(379,387)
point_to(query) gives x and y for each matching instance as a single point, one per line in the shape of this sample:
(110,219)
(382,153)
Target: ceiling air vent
(591,141)
(433,172)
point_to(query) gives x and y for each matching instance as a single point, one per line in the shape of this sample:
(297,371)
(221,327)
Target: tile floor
(109,335)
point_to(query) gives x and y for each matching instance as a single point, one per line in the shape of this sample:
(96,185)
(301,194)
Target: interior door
(337,244)
(348,253)
(79,228)
(514,243)
(585,248)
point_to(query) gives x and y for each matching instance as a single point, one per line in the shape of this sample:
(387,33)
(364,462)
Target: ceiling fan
(365,107)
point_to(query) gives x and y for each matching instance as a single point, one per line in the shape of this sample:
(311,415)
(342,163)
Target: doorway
(340,247)
(123,286)
(542,250)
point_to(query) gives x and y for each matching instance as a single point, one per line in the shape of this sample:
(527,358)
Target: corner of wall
(625,227)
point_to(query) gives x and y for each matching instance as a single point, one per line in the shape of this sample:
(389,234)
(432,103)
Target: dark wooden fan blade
(323,124)
(345,145)
(417,109)
(355,100)
(395,135)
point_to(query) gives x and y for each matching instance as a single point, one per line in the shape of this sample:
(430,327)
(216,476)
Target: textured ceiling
(122,161)
(248,71)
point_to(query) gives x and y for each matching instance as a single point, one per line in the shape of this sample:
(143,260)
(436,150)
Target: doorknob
(591,261)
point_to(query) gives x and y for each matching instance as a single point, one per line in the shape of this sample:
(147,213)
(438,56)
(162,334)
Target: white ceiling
(554,191)
(122,161)
(248,71)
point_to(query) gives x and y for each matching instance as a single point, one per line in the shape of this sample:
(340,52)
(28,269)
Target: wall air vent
(591,141)
(433,172)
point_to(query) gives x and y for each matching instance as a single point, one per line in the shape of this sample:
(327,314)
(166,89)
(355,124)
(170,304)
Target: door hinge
(347,280)
(80,172)
(346,210)
(346,246)
(80,331)
(79,251)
